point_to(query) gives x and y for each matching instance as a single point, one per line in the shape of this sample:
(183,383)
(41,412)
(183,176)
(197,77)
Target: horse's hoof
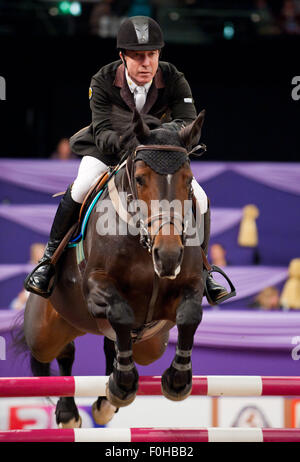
(124,399)
(73,423)
(106,412)
(172,394)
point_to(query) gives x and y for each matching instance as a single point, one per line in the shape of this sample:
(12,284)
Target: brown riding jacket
(169,98)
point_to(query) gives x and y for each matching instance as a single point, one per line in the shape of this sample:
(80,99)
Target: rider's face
(141,65)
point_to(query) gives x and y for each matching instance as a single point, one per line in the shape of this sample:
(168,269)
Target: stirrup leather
(208,272)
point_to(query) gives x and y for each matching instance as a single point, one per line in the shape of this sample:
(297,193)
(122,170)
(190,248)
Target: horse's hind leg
(39,369)
(50,337)
(67,415)
(102,410)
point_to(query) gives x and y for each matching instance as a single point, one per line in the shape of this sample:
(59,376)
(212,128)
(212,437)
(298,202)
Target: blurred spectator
(264,18)
(218,255)
(289,18)
(267,299)
(290,295)
(106,17)
(63,151)
(36,253)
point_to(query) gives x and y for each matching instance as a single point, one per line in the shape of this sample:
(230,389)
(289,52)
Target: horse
(133,287)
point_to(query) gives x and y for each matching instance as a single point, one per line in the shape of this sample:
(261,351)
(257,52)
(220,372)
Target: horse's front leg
(176,381)
(105,301)
(123,382)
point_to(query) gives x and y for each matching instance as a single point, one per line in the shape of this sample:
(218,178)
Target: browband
(168,147)
(159,147)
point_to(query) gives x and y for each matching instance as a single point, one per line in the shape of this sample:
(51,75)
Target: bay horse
(132,294)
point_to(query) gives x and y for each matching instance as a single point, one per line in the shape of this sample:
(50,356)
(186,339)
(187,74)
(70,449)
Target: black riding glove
(109,142)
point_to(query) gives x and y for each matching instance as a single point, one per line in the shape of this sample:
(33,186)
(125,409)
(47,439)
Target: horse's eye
(140,180)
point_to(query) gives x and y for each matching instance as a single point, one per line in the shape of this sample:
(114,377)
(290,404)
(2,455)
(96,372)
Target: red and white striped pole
(221,385)
(210,435)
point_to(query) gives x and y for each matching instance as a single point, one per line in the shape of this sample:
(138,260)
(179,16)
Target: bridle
(180,223)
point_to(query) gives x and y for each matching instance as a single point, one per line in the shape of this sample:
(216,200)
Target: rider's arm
(180,101)
(106,139)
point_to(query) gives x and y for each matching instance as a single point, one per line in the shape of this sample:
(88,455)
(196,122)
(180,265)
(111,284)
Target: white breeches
(200,196)
(90,169)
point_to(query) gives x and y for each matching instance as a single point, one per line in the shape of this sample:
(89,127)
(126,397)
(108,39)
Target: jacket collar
(127,96)
(120,79)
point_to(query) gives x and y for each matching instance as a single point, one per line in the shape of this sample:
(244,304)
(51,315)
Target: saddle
(73,234)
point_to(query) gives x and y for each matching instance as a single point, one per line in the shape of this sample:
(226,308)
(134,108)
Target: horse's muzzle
(167,262)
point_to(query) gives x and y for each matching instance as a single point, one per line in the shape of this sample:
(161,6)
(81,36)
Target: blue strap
(80,236)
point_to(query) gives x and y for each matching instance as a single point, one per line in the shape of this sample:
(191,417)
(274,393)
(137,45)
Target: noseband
(180,223)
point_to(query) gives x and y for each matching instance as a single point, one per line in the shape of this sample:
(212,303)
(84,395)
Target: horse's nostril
(156,254)
(167,261)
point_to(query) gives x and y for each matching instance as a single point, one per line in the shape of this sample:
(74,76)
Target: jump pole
(215,385)
(208,435)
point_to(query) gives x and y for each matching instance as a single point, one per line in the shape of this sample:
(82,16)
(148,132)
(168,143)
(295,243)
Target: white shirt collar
(132,85)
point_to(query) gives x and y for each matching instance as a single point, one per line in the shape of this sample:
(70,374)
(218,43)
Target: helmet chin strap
(123,59)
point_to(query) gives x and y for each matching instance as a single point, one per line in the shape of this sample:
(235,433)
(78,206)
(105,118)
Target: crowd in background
(270,17)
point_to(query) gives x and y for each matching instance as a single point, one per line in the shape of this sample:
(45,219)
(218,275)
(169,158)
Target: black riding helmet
(140,33)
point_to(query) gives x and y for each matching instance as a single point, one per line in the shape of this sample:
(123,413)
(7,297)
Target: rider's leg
(90,169)
(67,213)
(216,291)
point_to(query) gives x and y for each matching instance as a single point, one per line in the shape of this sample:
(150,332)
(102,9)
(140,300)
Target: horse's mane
(135,129)
(123,123)
(122,120)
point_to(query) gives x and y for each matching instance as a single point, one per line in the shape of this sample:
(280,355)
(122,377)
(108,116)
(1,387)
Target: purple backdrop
(228,341)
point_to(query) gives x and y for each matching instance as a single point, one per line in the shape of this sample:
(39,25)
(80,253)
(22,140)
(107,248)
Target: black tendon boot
(214,292)
(66,215)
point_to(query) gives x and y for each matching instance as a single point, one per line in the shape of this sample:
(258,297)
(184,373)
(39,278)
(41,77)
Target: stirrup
(207,273)
(36,291)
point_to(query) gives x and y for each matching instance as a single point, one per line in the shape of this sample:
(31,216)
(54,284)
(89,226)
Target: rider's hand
(110,142)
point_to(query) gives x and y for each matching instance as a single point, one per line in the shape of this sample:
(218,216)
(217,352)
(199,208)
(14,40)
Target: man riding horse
(138,80)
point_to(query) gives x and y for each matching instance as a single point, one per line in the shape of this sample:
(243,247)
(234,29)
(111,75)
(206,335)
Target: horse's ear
(141,130)
(190,135)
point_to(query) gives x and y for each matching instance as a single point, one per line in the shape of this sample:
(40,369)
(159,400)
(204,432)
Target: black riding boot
(215,292)
(67,213)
